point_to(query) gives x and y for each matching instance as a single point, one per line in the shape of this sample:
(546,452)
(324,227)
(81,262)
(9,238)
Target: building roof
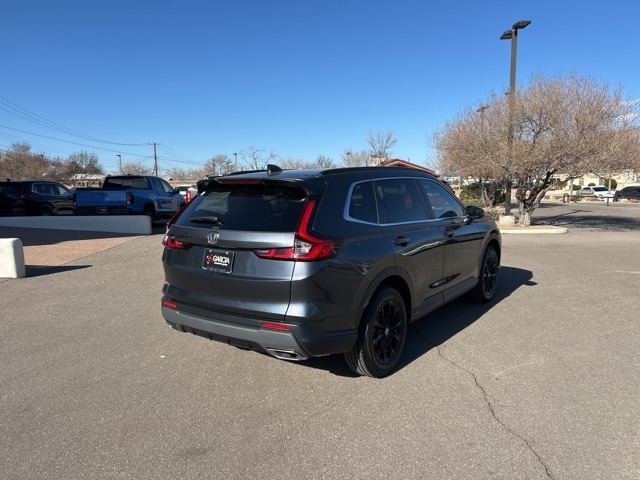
(396,162)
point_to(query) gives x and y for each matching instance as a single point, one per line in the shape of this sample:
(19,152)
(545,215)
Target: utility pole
(119,163)
(155,158)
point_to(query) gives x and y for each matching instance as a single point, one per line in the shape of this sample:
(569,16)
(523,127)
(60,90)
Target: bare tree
(257,158)
(19,162)
(562,129)
(352,158)
(219,164)
(80,165)
(381,144)
(137,168)
(293,163)
(324,162)
(185,174)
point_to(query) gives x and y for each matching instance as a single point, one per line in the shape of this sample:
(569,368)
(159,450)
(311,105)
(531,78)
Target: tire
(149,212)
(381,337)
(45,211)
(488,277)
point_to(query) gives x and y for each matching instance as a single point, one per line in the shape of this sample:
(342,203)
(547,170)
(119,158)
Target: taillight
(171,242)
(24,193)
(188,195)
(129,198)
(306,246)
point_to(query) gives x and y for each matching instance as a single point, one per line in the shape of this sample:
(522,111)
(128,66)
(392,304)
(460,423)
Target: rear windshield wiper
(211,219)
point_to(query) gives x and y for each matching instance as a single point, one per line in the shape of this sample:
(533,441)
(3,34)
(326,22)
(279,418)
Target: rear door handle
(402,241)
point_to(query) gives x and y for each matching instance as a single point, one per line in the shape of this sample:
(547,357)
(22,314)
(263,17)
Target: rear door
(416,240)
(61,199)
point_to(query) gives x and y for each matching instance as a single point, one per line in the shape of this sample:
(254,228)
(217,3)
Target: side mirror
(475,213)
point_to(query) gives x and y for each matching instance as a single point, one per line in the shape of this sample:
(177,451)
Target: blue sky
(300,78)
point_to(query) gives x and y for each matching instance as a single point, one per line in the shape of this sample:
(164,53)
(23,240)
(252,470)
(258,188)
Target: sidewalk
(53,248)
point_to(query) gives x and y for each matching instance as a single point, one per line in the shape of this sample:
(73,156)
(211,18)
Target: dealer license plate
(218,260)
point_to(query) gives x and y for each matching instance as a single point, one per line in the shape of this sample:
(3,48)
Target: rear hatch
(13,197)
(233,249)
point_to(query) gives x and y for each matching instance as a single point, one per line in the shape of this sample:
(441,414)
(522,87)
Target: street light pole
(513,36)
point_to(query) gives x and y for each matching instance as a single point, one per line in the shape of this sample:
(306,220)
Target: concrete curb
(129,224)
(11,258)
(532,229)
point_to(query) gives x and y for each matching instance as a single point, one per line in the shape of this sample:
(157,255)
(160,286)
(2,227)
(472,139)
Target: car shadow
(576,217)
(439,326)
(40,270)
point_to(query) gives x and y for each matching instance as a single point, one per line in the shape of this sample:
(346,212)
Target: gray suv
(304,263)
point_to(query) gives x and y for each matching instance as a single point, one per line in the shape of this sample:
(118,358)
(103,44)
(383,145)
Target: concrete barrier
(129,224)
(11,258)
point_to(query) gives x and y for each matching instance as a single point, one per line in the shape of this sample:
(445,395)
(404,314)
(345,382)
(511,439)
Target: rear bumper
(298,343)
(107,210)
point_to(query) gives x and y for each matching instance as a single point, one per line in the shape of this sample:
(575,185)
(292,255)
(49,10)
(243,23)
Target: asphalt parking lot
(543,383)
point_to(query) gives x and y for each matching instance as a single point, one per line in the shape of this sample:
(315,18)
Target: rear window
(255,208)
(127,182)
(11,189)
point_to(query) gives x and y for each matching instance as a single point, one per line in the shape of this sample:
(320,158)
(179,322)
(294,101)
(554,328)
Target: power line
(21,112)
(25,114)
(68,141)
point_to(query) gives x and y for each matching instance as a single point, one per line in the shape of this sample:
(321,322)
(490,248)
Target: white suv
(597,191)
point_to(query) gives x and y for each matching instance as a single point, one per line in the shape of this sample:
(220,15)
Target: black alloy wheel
(488,278)
(382,335)
(46,211)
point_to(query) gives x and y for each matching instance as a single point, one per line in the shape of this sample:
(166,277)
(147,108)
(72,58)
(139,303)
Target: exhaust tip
(286,354)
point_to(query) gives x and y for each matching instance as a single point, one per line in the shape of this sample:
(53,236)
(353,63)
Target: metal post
(513,36)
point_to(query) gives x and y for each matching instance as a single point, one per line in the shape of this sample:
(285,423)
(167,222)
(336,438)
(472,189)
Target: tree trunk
(525,216)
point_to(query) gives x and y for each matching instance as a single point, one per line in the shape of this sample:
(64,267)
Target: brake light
(129,198)
(24,194)
(306,246)
(171,242)
(187,195)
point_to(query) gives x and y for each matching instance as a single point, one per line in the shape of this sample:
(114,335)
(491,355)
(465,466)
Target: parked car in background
(304,263)
(627,193)
(129,194)
(36,197)
(188,191)
(601,192)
